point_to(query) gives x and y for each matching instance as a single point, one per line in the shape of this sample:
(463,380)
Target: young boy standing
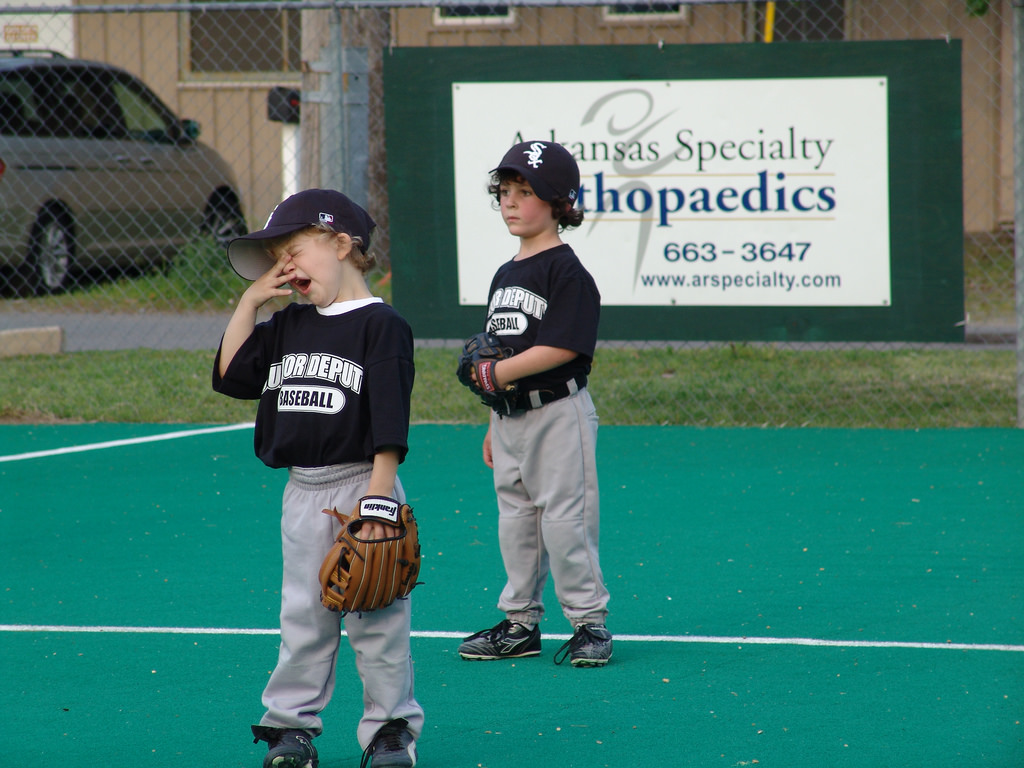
(334,380)
(544,305)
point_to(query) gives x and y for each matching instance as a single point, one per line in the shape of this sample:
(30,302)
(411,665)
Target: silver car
(96,172)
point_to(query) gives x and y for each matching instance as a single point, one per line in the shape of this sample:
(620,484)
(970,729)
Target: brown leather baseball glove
(360,575)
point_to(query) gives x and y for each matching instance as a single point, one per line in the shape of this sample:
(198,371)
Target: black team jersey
(549,299)
(333,389)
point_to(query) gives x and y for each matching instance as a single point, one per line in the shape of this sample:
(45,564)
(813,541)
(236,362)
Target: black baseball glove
(476,371)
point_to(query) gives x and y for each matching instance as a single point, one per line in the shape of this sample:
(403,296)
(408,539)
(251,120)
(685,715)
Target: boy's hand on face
(271,284)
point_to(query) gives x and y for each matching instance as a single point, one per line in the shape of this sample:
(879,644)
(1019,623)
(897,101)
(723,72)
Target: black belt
(535,398)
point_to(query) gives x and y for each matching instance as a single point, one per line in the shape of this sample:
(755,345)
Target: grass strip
(727,385)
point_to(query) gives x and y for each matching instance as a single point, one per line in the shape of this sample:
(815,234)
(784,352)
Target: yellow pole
(769,22)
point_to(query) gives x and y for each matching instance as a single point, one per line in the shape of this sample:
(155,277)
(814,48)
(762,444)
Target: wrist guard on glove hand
(476,371)
(360,575)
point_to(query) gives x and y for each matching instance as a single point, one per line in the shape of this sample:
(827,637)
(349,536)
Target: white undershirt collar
(341,307)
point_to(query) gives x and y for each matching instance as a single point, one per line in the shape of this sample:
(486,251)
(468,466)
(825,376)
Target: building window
(644,12)
(469,15)
(802,20)
(246,41)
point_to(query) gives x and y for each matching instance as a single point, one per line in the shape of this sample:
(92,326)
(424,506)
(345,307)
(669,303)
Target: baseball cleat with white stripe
(507,640)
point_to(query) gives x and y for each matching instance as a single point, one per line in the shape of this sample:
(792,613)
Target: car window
(72,102)
(100,114)
(79,102)
(57,106)
(143,118)
(18,115)
(13,112)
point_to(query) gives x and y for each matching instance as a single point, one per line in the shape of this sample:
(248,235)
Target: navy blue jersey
(333,389)
(549,299)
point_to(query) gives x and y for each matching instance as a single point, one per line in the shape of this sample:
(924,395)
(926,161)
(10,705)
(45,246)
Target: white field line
(123,443)
(696,639)
(428,634)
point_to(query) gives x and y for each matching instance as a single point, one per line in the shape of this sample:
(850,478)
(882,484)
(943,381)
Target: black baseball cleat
(507,640)
(589,646)
(288,748)
(392,747)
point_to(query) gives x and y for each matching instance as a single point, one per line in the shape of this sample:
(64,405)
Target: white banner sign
(769,192)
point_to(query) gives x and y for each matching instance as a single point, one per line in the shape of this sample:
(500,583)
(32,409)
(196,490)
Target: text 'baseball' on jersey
(507,324)
(310,399)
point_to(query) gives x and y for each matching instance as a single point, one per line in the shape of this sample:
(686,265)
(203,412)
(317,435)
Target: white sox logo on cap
(548,166)
(534,154)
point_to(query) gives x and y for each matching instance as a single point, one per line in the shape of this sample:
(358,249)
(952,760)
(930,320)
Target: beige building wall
(233,113)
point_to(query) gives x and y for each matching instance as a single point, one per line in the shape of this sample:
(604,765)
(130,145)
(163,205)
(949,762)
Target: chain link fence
(121,179)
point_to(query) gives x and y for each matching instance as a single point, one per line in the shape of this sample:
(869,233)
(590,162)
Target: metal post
(332,131)
(769,21)
(344,101)
(355,123)
(1018,196)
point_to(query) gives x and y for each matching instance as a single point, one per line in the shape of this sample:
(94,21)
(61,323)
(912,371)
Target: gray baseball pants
(545,478)
(302,683)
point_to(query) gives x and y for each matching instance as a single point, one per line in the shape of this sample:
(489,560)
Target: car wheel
(50,255)
(224,220)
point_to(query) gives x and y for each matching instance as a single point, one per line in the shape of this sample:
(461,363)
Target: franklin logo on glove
(380,507)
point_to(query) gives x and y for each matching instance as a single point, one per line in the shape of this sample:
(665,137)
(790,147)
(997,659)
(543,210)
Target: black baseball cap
(550,169)
(248,255)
